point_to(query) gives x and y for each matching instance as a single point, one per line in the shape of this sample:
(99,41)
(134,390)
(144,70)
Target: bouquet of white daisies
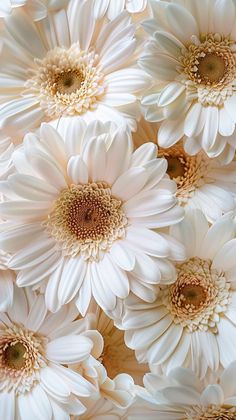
(117,209)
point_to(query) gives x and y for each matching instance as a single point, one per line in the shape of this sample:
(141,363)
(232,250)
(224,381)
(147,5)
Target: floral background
(117,209)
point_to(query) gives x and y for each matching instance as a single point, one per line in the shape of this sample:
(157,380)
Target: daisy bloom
(85,207)
(36,351)
(181,395)
(7,279)
(191,57)
(202,182)
(112,8)
(37,9)
(192,322)
(87,69)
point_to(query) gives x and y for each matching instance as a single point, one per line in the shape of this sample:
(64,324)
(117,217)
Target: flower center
(211,68)
(175,167)
(14,356)
(192,295)
(189,172)
(87,219)
(21,357)
(209,65)
(66,81)
(213,412)
(198,296)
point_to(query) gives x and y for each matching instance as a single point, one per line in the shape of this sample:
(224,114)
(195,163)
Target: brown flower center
(198,296)
(211,68)
(21,357)
(175,167)
(187,171)
(192,295)
(13,356)
(68,82)
(87,219)
(208,65)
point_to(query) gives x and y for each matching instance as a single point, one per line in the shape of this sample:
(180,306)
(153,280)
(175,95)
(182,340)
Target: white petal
(170,132)
(69,349)
(212,395)
(74,270)
(77,170)
(37,314)
(223,16)
(7,404)
(6,290)
(182,23)
(130,183)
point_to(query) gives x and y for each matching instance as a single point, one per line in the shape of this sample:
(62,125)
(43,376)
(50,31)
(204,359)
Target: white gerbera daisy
(192,322)
(87,69)
(112,8)
(181,395)
(191,57)
(37,9)
(7,279)
(85,208)
(201,181)
(35,349)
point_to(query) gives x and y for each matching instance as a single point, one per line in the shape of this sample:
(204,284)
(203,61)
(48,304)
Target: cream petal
(54,385)
(225,338)
(181,395)
(212,395)
(148,241)
(78,385)
(170,93)
(165,345)
(77,170)
(85,294)
(6,291)
(74,270)
(182,23)
(25,34)
(130,183)
(122,256)
(223,16)
(7,404)
(37,314)
(170,132)
(37,404)
(225,257)
(69,349)
(227,380)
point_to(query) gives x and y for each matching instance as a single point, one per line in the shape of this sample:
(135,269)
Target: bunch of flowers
(117,209)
